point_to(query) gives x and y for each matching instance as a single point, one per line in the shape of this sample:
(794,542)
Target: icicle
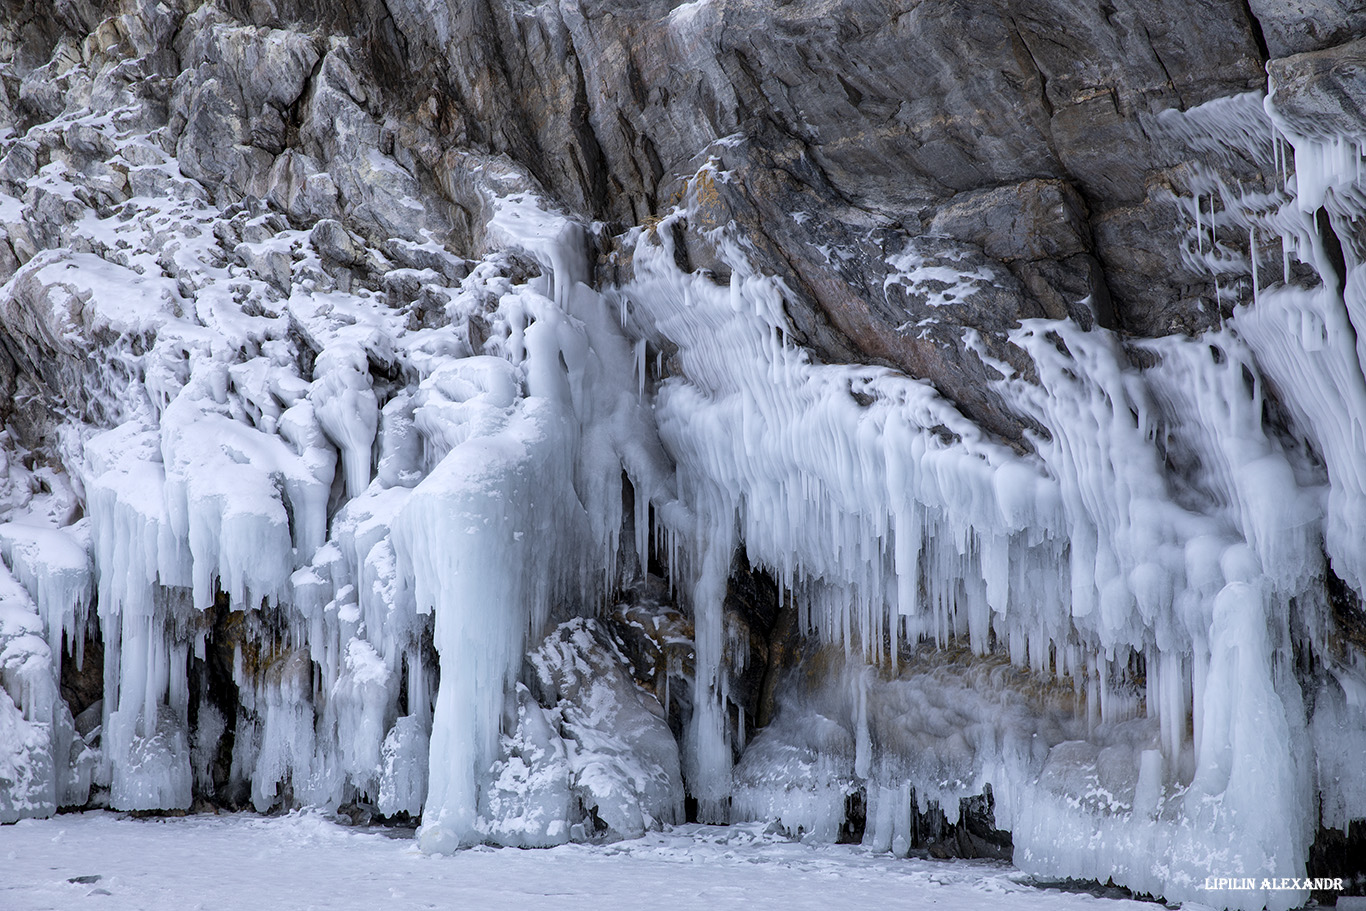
(1252,244)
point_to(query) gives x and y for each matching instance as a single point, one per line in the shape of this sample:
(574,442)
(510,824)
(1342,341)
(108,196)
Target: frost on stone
(590,756)
(622,756)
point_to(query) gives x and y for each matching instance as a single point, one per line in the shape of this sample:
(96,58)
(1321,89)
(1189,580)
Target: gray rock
(1035,219)
(45,92)
(1040,230)
(19,164)
(422,258)
(275,266)
(211,145)
(8,264)
(1296,26)
(1322,93)
(1136,244)
(227,105)
(301,188)
(334,243)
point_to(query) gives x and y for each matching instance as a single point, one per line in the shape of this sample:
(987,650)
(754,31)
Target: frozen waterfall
(358,526)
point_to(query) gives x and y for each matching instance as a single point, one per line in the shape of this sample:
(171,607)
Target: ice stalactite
(707,746)
(489,593)
(54,564)
(144,759)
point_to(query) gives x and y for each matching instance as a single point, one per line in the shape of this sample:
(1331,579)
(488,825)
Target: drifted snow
(302,861)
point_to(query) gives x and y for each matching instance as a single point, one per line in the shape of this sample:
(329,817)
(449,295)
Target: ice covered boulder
(623,759)
(797,772)
(26,768)
(403,776)
(529,802)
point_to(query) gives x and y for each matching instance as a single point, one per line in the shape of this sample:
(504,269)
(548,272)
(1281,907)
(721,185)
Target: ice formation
(382,492)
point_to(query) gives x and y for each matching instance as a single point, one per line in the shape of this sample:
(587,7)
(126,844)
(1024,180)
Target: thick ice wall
(491,449)
(821,485)
(1298,321)
(1249,782)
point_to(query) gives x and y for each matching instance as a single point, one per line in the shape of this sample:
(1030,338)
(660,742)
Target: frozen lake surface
(304,861)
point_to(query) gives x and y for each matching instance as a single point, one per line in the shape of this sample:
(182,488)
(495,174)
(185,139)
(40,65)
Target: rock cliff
(950,415)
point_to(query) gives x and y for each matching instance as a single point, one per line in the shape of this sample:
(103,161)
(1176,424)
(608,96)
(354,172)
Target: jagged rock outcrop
(868,126)
(873,126)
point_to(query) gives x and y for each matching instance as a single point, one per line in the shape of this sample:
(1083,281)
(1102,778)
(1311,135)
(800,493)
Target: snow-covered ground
(303,861)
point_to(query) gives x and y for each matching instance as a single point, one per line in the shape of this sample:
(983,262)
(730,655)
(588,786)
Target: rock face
(1322,93)
(1043,160)
(882,122)
(1296,27)
(966,396)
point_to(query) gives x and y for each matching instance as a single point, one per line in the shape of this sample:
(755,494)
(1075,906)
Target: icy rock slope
(339,504)
(288,452)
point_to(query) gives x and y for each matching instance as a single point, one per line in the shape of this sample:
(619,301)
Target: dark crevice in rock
(1348,612)
(212,689)
(932,836)
(855,818)
(753,612)
(1044,103)
(1171,83)
(1255,25)
(592,171)
(1332,249)
(784,650)
(82,683)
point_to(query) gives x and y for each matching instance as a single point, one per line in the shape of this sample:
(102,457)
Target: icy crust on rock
(300,469)
(591,758)
(379,489)
(44,762)
(1166,595)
